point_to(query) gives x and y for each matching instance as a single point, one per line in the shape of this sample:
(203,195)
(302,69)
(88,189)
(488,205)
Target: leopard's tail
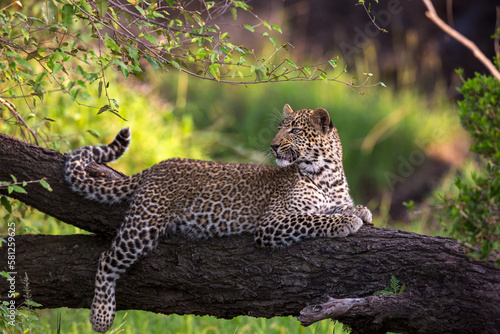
(100,189)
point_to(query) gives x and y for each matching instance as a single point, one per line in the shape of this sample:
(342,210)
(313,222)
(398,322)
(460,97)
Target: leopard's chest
(307,198)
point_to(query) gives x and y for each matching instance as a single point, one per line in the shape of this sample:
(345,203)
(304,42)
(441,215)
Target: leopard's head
(308,139)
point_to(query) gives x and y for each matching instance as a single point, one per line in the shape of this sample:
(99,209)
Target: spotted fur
(306,196)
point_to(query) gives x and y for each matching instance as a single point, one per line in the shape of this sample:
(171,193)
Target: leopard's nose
(274,147)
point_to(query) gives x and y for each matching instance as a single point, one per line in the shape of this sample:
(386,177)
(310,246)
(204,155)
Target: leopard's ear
(321,120)
(287,110)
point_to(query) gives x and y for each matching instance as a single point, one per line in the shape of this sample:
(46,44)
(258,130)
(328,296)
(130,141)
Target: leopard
(306,195)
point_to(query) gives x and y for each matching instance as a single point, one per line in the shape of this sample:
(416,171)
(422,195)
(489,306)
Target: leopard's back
(207,199)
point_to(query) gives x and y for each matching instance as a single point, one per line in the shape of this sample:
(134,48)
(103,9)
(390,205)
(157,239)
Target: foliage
(473,214)
(395,288)
(66,45)
(24,318)
(15,216)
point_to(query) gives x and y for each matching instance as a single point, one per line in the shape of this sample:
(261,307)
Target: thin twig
(21,183)
(497,33)
(14,3)
(372,18)
(432,15)
(19,118)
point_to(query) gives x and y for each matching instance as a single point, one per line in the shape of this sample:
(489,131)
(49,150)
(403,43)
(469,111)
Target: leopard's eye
(295,130)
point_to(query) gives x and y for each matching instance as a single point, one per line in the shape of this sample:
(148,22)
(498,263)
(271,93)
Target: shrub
(473,215)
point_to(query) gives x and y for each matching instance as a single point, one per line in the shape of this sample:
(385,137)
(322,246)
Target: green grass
(132,322)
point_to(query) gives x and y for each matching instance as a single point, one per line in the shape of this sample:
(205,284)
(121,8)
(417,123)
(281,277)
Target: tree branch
(29,162)
(446,291)
(432,15)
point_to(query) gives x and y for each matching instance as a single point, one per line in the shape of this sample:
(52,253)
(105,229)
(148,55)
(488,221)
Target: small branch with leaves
(18,187)
(48,52)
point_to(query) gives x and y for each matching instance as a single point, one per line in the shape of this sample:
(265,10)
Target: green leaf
(260,74)
(249,28)
(234,13)
(99,90)
(209,4)
(242,5)
(30,229)
(94,133)
(49,11)
(103,109)
(277,28)
(45,184)
(111,44)
(4,274)
(152,62)
(32,303)
(67,12)
(123,68)
(57,67)
(133,53)
(115,112)
(175,64)
(139,75)
(288,61)
(6,203)
(215,71)
(26,33)
(17,189)
(102,7)
(21,16)
(23,62)
(333,63)
(394,283)
(86,6)
(382,84)
(151,38)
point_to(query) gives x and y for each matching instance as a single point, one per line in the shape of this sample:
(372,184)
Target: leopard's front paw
(363,213)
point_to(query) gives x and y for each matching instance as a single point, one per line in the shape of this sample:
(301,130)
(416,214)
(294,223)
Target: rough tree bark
(319,278)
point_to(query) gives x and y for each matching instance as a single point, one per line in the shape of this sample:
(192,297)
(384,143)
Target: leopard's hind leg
(135,239)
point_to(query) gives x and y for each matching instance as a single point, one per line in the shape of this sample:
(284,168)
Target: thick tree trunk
(446,291)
